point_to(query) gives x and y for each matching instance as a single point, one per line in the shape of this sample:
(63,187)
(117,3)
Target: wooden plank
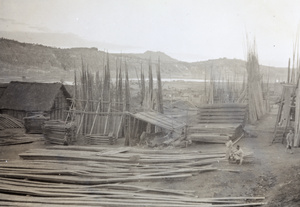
(227,105)
(222,117)
(220,110)
(222,113)
(220,121)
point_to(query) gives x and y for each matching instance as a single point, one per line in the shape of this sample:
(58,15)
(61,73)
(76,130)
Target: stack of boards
(59,132)
(94,139)
(218,123)
(98,176)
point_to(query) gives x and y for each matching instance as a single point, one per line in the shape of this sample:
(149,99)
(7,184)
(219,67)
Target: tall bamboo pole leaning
(150,76)
(120,101)
(160,107)
(116,105)
(297,114)
(297,97)
(127,127)
(96,96)
(107,95)
(143,86)
(120,89)
(90,103)
(255,94)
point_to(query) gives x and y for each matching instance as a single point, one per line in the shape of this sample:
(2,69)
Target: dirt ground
(273,173)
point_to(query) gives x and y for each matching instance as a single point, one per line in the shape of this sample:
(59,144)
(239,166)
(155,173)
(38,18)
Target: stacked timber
(219,123)
(233,113)
(256,102)
(59,132)
(215,133)
(297,115)
(94,139)
(8,122)
(34,124)
(95,176)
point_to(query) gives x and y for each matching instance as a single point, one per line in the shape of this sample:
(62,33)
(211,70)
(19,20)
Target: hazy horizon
(190,30)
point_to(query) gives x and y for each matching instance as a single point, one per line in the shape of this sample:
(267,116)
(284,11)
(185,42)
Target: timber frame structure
(286,113)
(101,109)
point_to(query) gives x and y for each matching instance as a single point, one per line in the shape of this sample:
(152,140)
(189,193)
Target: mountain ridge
(51,63)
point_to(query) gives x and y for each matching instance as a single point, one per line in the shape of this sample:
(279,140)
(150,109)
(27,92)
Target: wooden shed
(23,99)
(139,123)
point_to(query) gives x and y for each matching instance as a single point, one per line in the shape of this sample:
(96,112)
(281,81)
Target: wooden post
(106,126)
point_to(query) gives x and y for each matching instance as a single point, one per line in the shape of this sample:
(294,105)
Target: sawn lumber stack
(217,123)
(94,176)
(233,113)
(59,132)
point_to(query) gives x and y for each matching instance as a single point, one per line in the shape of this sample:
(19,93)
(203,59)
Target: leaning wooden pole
(127,128)
(150,76)
(143,85)
(255,94)
(160,107)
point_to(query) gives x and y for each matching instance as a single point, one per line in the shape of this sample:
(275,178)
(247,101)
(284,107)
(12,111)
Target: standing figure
(229,146)
(289,141)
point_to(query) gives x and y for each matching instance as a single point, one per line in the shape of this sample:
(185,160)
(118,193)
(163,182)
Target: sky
(188,30)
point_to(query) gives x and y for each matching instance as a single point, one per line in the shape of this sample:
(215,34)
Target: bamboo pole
(143,86)
(160,106)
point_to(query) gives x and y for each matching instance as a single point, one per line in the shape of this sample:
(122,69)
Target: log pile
(8,122)
(59,132)
(95,176)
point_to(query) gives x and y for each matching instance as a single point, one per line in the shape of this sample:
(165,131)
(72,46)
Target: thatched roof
(3,87)
(28,96)
(70,89)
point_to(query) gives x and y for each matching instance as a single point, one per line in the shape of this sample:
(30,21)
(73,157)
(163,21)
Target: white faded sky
(188,30)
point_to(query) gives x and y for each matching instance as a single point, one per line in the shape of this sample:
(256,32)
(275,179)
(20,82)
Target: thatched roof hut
(21,99)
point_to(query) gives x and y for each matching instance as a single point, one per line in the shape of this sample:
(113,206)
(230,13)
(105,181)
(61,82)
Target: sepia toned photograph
(150,103)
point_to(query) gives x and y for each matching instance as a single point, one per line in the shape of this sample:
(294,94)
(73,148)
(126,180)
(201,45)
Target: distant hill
(42,63)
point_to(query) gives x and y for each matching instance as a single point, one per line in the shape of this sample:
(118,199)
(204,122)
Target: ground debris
(287,194)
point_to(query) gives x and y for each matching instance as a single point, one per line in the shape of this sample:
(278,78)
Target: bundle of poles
(101,107)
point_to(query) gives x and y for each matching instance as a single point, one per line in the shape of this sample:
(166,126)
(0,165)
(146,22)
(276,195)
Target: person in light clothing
(229,146)
(238,155)
(289,141)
